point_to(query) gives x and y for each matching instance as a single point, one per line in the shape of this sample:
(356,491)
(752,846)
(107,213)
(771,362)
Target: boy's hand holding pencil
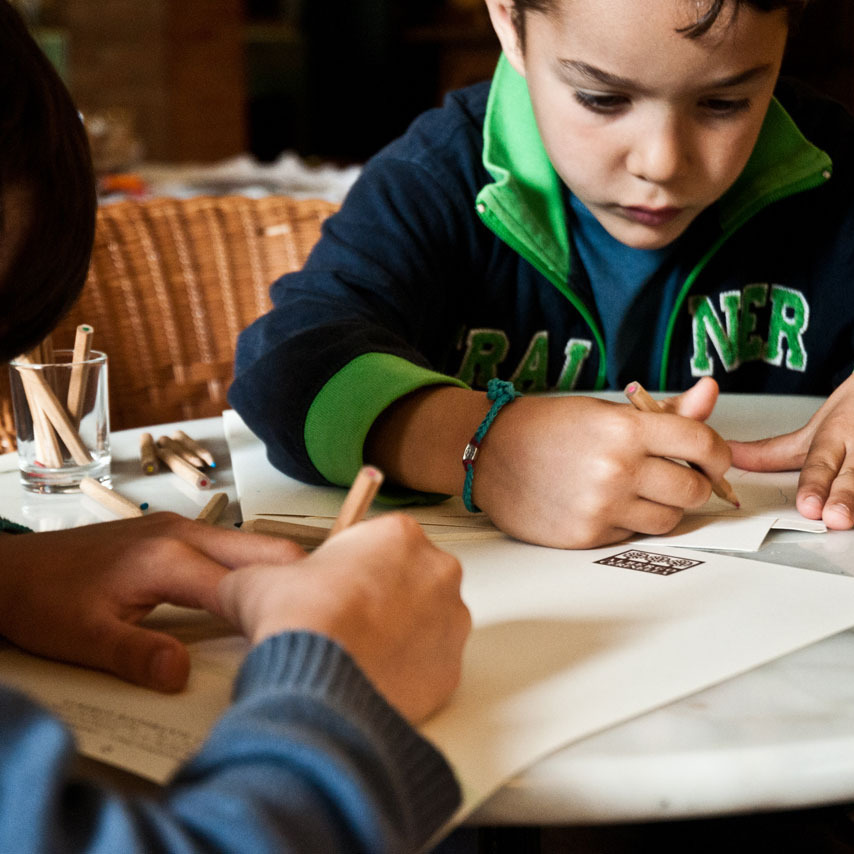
(643,401)
(574,472)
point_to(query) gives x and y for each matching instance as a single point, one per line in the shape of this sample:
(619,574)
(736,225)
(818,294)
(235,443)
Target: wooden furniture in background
(172,283)
(177,67)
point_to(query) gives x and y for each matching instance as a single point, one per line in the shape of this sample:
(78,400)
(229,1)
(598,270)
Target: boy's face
(645,126)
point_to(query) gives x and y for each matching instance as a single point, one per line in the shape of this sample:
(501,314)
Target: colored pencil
(307,536)
(213,509)
(43,395)
(193,446)
(79,374)
(109,498)
(148,459)
(181,450)
(178,465)
(358,499)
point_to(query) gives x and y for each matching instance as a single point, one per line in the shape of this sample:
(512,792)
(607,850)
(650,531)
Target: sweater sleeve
(308,758)
(377,310)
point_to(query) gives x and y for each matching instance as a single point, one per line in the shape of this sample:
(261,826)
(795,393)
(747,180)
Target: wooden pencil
(148,459)
(109,498)
(358,499)
(193,446)
(643,401)
(213,509)
(178,465)
(181,450)
(307,536)
(356,503)
(79,374)
(44,397)
(48,452)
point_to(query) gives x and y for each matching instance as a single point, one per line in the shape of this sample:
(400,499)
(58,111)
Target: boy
(625,201)
(317,752)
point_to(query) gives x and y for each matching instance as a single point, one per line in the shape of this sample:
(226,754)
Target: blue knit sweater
(309,758)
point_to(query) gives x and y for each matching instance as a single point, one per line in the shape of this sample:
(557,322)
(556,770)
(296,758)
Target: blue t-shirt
(632,289)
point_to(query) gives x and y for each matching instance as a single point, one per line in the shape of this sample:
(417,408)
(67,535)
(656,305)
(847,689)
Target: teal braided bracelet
(500,392)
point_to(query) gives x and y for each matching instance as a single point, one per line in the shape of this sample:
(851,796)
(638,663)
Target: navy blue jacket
(451,262)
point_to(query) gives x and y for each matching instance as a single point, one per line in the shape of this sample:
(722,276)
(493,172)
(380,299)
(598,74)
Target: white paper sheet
(563,646)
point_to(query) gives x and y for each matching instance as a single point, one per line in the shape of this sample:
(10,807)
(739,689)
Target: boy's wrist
(418,442)
(499,393)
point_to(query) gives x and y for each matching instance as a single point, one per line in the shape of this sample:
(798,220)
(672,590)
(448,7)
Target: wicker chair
(171,284)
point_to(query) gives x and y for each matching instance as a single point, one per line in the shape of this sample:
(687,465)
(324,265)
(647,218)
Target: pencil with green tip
(643,401)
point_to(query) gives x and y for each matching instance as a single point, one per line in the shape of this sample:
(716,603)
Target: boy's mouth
(650,216)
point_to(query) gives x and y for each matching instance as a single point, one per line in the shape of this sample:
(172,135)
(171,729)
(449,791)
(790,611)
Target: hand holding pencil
(641,399)
(387,597)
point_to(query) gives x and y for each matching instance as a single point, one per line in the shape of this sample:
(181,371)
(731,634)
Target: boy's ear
(500,12)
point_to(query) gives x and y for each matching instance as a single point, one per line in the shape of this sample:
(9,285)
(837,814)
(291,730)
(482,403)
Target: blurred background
(201,81)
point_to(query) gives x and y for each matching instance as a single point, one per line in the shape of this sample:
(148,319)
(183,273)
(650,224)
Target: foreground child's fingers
(141,656)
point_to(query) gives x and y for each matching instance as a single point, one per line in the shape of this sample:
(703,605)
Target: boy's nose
(659,152)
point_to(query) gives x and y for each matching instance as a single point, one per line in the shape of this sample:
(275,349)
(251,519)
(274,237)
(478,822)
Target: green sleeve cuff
(347,406)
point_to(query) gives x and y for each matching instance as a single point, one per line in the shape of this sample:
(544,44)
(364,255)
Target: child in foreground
(318,751)
(634,197)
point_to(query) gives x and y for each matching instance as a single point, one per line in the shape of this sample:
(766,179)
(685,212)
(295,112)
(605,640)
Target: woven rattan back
(171,284)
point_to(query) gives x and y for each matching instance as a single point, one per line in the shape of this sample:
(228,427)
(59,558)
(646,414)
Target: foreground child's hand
(823,449)
(577,472)
(78,595)
(383,592)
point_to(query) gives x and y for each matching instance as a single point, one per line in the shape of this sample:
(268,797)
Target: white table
(162,491)
(779,737)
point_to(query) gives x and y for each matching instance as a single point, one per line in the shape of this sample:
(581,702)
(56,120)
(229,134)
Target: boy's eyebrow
(607,78)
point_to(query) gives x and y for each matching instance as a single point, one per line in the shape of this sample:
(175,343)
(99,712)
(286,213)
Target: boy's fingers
(778,453)
(697,402)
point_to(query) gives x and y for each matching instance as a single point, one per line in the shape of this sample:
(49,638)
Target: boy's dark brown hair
(705,17)
(46,167)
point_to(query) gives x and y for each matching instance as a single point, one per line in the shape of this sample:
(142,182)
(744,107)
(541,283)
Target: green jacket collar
(524,205)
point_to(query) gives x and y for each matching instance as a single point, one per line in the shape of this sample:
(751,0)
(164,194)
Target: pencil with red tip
(643,401)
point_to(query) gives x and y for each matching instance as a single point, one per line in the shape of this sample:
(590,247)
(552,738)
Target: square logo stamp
(652,562)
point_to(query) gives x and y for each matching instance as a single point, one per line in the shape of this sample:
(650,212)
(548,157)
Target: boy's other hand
(823,450)
(383,592)
(79,595)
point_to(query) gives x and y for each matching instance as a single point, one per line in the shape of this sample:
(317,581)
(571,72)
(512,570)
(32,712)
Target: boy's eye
(725,106)
(600,103)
